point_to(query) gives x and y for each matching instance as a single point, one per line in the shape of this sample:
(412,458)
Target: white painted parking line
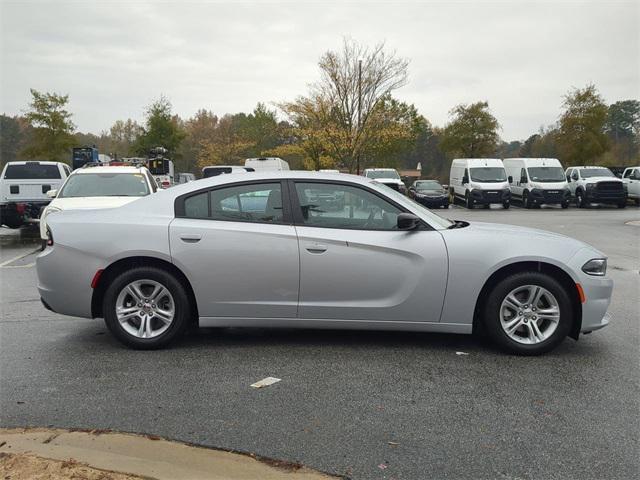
(28,265)
(11,260)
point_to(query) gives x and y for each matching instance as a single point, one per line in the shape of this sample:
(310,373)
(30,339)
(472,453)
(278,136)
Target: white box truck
(479,181)
(537,181)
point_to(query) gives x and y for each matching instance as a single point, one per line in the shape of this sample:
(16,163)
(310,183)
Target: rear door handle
(316,248)
(190,237)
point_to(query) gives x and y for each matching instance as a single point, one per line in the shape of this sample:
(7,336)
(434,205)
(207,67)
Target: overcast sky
(114,57)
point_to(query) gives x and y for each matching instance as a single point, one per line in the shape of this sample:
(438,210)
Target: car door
(572,178)
(239,250)
(354,262)
(633,185)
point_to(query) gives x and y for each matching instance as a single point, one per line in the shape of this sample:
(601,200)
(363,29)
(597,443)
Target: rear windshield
(31,171)
(105,185)
(382,174)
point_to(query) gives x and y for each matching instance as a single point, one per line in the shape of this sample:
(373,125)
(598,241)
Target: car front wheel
(528,313)
(146,308)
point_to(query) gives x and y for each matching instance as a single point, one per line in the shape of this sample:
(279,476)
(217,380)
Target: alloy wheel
(529,314)
(145,308)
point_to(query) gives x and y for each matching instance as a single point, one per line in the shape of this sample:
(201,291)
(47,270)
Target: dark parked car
(429,193)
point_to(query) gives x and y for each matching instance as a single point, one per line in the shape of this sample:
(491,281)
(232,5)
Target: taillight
(49,238)
(20,208)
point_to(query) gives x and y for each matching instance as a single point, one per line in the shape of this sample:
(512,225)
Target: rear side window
(31,171)
(242,203)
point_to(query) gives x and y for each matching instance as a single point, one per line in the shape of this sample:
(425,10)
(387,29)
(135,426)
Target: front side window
(344,206)
(105,185)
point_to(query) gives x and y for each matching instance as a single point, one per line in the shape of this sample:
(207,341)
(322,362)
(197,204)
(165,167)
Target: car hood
(601,179)
(529,237)
(79,203)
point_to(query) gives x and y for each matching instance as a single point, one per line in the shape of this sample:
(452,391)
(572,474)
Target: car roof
(107,169)
(42,162)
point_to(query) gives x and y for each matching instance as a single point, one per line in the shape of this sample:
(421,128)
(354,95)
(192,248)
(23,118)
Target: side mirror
(465,179)
(52,193)
(408,221)
(510,179)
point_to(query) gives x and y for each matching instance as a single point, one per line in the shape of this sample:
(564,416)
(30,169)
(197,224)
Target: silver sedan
(316,250)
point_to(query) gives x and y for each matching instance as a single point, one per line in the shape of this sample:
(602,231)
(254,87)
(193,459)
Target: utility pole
(359,111)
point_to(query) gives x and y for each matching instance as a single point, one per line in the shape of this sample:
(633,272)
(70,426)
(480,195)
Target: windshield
(428,215)
(595,172)
(31,171)
(546,174)
(488,174)
(383,174)
(428,185)
(105,185)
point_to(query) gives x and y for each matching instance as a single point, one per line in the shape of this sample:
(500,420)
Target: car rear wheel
(146,308)
(528,313)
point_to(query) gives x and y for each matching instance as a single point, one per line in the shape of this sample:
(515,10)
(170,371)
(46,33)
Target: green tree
(52,136)
(10,139)
(623,119)
(472,133)
(162,129)
(581,138)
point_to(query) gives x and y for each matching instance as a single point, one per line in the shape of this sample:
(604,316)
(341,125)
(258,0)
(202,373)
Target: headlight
(597,266)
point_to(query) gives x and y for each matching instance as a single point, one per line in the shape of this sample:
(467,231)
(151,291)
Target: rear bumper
(28,209)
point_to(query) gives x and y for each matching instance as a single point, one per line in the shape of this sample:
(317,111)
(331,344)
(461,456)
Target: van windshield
(488,174)
(546,174)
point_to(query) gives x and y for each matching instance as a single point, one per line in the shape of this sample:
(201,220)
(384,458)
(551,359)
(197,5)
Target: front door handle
(316,248)
(190,237)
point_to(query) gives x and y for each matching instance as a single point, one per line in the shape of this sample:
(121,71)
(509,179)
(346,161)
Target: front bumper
(596,196)
(547,197)
(490,196)
(442,201)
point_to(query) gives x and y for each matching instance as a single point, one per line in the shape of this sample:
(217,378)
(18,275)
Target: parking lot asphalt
(365,405)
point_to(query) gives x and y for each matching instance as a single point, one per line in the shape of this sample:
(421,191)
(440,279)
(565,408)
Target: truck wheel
(580,201)
(506,205)
(622,204)
(468,201)
(146,308)
(526,203)
(528,313)
(565,204)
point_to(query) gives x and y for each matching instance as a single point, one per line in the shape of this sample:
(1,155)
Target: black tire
(445,206)
(506,205)
(525,200)
(637,202)
(491,313)
(565,204)
(181,300)
(468,201)
(487,206)
(622,204)
(580,200)
(12,221)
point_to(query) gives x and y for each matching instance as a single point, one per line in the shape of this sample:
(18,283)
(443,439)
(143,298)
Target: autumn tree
(472,133)
(161,129)
(581,137)
(199,130)
(226,147)
(52,135)
(344,102)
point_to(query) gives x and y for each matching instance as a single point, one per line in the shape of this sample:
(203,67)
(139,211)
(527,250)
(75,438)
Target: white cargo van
(537,181)
(480,181)
(266,163)
(215,170)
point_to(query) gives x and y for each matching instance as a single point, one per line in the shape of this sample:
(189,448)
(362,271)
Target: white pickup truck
(631,180)
(24,187)
(595,185)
